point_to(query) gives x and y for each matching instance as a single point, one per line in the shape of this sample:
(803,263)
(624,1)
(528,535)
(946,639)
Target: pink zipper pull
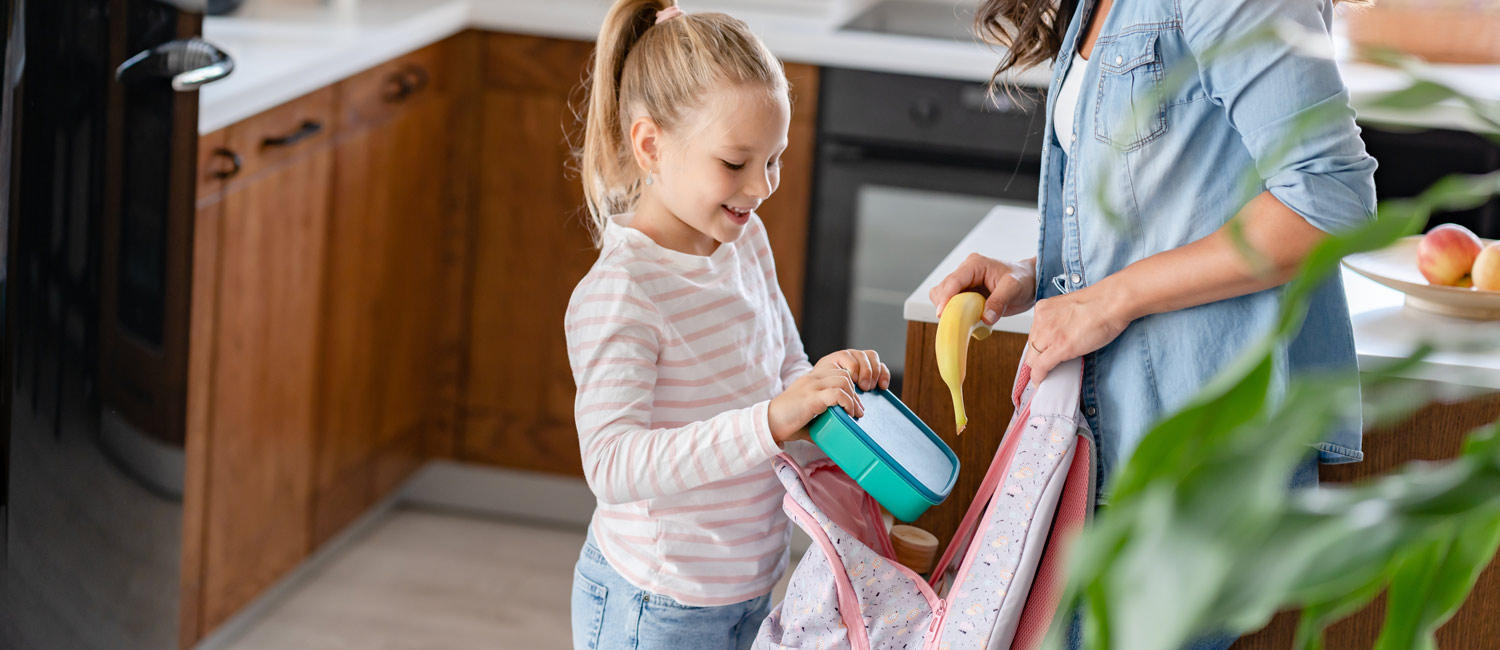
(937,618)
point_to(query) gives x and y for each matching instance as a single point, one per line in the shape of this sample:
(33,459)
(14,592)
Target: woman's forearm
(1216,267)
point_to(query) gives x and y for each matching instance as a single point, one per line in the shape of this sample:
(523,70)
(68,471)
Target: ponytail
(604,162)
(661,71)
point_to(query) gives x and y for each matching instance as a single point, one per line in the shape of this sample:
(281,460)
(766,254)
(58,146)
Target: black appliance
(98,141)
(906,166)
(1412,160)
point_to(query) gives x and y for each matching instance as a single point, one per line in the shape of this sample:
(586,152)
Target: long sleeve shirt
(676,358)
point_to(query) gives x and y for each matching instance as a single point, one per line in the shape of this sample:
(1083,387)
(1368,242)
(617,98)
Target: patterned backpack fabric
(998,583)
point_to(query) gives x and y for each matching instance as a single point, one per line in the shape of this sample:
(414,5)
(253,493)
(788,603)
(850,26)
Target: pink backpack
(849,591)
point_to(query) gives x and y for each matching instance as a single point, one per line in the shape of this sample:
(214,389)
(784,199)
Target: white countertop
(1384,330)
(286,48)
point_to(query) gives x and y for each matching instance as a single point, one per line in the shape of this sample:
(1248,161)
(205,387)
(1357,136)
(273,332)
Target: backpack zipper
(937,624)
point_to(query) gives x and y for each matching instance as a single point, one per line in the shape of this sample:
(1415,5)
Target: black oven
(906,166)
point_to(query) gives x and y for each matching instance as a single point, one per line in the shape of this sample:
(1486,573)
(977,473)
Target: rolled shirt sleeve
(1290,108)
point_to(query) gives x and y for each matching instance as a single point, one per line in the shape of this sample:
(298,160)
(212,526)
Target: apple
(1446,254)
(1487,268)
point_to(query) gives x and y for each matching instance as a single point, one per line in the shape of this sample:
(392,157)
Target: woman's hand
(1011,287)
(1074,324)
(834,381)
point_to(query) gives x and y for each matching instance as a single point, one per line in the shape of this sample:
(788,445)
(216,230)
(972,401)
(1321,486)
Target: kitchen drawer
(384,91)
(278,136)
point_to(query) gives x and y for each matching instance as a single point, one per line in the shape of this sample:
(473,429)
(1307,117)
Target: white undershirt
(1067,102)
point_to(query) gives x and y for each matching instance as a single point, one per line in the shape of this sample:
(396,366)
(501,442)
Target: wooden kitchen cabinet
(214,162)
(1434,433)
(326,330)
(531,246)
(251,402)
(391,325)
(788,211)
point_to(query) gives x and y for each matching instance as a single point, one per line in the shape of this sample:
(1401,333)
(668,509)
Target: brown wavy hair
(1032,31)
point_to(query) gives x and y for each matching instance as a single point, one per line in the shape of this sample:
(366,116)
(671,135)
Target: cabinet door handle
(405,83)
(417,77)
(308,129)
(235,163)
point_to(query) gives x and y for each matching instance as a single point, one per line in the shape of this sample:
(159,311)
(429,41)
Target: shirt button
(1119,60)
(1072,138)
(1092,411)
(1069,210)
(1076,279)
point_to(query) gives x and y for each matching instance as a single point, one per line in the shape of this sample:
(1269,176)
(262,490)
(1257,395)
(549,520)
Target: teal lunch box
(889,452)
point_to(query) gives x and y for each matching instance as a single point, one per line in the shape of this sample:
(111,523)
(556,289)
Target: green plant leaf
(1476,541)
(1171,445)
(1318,616)
(1420,94)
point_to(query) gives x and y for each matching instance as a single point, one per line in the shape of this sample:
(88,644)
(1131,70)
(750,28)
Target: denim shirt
(1148,168)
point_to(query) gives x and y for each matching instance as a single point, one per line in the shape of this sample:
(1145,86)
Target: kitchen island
(1384,331)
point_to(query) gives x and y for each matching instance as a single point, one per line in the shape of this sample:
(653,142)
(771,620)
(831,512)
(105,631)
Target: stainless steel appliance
(906,167)
(98,146)
(945,19)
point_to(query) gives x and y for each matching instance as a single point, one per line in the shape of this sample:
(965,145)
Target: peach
(1487,268)
(1446,254)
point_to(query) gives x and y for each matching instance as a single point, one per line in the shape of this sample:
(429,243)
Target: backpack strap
(1074,508)
(1058,395)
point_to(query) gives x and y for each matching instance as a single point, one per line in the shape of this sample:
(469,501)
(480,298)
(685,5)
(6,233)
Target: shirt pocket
(1129,110)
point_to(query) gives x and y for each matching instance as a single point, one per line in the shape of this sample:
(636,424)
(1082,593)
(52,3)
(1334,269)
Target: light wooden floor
(424,580)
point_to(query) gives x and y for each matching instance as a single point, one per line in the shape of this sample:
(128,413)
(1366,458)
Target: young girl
(690,373)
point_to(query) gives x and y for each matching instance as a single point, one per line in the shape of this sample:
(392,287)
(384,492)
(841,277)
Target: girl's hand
(810,395)
(1011,287)
(864,367)
(1074,324)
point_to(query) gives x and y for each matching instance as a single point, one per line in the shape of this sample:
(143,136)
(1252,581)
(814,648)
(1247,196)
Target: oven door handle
(847,153)
(852,154)
(189,63)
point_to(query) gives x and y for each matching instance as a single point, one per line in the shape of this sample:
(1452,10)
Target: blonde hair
(661,71)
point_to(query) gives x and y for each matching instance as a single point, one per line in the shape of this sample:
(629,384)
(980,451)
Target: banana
(962,318)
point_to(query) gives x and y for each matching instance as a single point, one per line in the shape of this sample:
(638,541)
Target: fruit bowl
(1396,267)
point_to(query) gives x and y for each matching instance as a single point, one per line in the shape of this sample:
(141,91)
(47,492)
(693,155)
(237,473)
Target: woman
(1150,137)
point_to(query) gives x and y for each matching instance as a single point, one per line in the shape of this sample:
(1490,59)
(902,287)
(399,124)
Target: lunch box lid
(930,467)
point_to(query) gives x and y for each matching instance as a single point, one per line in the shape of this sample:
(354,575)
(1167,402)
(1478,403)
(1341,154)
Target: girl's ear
(645,143)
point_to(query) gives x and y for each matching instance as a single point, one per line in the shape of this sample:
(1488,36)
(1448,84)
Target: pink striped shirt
(676,358)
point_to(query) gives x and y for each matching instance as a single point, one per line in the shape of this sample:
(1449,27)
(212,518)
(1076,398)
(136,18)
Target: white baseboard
(514,494)
(499,492)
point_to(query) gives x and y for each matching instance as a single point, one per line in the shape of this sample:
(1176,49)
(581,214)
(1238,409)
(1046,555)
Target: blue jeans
(609,613)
